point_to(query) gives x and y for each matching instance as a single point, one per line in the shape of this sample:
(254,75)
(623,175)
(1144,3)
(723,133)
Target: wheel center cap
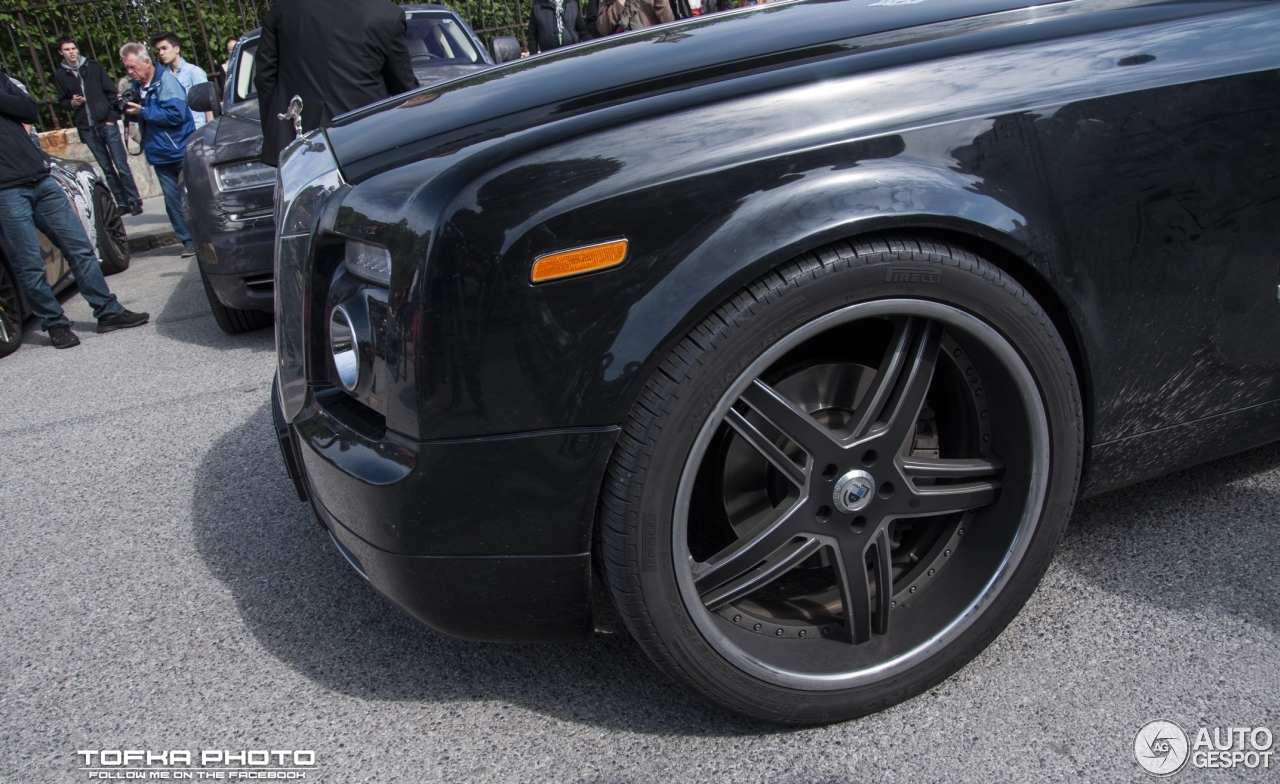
(853,491)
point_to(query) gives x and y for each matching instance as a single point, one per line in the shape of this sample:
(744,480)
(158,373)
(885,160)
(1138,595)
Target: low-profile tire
(232,320)
(113,240)
(10,312)
(845,482)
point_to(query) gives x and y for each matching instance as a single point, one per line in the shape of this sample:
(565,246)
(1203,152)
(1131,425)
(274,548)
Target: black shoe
(122,321)
(135,208)
(122,208)
(61,336)
(188,250)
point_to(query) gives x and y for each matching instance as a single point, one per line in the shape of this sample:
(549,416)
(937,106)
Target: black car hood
(239,134)
(659,59)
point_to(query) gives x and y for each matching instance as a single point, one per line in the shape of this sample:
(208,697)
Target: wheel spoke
(945,499)
(913,383)
(765,447)
(748,552)
(952,468)
(784,561)
(884,581)
(855,593)
(804,430)
(895,357)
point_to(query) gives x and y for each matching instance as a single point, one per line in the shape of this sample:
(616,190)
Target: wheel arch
(22,295)
(777,225)
(959,216)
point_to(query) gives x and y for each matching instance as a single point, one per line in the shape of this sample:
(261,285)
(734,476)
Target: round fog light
(342,343)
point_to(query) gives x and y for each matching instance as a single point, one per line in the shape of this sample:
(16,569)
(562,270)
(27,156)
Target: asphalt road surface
(163,588)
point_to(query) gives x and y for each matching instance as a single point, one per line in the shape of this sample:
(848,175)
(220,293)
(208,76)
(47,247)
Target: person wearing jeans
(85,90)
(107,146)
(166,125)
(31,199)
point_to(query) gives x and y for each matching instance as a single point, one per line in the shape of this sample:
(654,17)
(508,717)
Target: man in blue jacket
(166,125)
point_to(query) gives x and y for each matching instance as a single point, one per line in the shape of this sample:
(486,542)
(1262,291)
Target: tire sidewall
(782,304)
(111,260)
(17,306)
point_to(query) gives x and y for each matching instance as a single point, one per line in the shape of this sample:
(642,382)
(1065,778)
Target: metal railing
(28,51)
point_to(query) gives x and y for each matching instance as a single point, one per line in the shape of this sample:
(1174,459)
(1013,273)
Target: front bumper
(240,266)
(484,539)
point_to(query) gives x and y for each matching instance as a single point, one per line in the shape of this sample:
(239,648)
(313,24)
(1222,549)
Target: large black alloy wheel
(10,313)
(841,486)
(113,240)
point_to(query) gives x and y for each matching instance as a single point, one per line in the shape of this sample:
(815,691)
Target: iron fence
(28,51)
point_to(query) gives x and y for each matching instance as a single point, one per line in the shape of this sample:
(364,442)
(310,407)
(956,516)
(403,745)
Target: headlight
(342,342)
(369,262)
(243,176)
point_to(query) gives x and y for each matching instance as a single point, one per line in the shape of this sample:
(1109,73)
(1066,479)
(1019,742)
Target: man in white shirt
(169,48)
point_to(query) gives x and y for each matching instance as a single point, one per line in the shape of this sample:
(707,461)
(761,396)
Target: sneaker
(122,208)
(188,250)
(122,321)
(135,208)
(61,336)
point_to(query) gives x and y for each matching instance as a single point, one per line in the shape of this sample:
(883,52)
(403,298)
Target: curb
(144,242)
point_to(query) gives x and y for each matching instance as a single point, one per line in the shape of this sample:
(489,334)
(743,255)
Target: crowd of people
(30,199)
(156,103)
(557,23)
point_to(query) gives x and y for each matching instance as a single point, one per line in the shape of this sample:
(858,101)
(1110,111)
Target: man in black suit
(337,55)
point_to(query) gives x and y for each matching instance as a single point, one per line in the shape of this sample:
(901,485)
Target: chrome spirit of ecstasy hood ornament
(294,112)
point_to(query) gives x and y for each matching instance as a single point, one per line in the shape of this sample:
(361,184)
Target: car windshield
(436,37)
(246,70)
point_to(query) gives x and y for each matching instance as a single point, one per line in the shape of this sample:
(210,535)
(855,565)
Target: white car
(96,208)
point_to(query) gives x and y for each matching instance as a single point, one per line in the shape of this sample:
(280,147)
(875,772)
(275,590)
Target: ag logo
(1161,747)
(853,491)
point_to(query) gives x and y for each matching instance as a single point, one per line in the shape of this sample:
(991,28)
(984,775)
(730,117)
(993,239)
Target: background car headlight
(244,175)
(369,262)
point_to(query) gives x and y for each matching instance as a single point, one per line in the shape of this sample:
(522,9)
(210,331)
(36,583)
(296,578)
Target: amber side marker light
(579,261)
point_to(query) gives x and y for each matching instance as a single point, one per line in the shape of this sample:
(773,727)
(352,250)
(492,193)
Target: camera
(127,97)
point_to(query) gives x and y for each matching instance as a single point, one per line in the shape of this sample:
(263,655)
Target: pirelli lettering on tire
(650,543)
(912,276)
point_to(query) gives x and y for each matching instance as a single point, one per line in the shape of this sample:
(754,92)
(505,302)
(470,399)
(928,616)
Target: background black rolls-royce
(230,193)
(791,334)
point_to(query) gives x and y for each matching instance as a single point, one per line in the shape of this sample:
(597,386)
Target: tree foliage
(30,28)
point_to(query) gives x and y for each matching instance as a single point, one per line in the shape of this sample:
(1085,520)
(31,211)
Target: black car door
(1169,201)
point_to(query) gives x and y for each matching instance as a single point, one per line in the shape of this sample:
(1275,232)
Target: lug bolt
(930,572)
(960,532)
(777,633)
(802,632)
(756,627)
(737,619)
(946,553)
(893,604)
(912,589)
(825,632)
